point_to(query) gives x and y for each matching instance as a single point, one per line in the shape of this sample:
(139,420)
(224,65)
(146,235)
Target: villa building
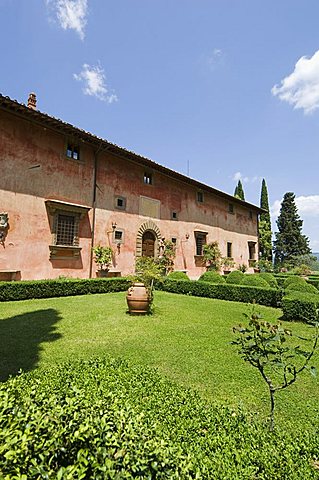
(64,190)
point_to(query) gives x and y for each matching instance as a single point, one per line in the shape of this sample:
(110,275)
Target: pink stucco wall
(34,168)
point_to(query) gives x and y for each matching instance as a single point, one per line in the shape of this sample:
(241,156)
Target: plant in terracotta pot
(167,258)
(140,294)
(212,256)
(227,263)
(103,259)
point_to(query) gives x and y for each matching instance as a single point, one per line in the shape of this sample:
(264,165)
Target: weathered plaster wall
(34,168)
(119,177)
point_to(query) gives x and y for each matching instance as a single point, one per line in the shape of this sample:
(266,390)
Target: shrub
(255,280)
(236,293)
(314,282)
(294,279)
(177,276)
(60,288)
(300,306)
(103,419)
(302,287)
(303,269)
(212,277)
(235,277)
(270,279)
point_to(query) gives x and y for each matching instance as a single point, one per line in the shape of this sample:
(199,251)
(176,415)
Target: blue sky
(230,88)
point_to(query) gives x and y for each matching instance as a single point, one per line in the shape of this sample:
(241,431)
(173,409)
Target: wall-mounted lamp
(4,224)
(114,225)
(187,236)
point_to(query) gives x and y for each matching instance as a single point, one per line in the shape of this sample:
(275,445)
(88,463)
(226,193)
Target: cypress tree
(290,242)
(265,245)
(239,191)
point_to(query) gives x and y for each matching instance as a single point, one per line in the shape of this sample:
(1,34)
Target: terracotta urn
(138,299)
(102,273)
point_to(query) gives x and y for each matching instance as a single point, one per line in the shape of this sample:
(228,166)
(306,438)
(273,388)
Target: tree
(264,229)
(239,191)
(266,347)
(290,242)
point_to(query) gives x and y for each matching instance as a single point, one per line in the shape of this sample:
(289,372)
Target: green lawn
(187,339)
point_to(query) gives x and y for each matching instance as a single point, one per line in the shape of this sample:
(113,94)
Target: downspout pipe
(94,189)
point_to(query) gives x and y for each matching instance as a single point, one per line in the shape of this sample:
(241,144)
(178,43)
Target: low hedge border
(300,306)
(26,290)
(236,293)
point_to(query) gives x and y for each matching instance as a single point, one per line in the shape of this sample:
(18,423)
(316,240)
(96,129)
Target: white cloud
(308,206)
(238,176)
(94,83)
(301,87)
(215,58)
(71,14)
(275,208)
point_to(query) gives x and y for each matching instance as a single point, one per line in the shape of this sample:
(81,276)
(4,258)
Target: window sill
(64,252)
(74,160)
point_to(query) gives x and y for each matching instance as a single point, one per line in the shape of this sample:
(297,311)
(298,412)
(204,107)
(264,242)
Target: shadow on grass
(21,337)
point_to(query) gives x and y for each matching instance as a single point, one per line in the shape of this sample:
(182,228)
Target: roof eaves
(58,124)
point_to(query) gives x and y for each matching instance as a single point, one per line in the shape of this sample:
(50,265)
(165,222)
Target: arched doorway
(148,244)
(148,240)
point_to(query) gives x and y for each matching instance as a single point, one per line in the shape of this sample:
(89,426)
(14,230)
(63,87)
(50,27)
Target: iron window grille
(200,242)
(66,229)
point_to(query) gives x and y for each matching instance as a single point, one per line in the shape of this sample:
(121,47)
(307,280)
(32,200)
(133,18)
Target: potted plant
(167,258)
(242,267)
(227,263)
(212,256)
(140,295)
(103,259)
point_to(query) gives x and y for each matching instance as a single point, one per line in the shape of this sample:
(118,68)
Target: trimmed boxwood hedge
(212,277)
(235,277)
(60,288)
(178,276)
(254,280)
(313,282)
(294,279)
(302,287)
(236,293)
(105,419)
(300,306)
(270,279)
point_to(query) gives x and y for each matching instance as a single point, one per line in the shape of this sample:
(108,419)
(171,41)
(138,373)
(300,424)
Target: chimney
(32,101)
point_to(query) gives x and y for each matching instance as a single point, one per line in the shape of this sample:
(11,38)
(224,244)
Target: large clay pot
(138,299)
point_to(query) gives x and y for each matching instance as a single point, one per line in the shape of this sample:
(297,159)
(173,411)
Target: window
(64,221)
(230,208)
(250,214)
(66,229)
(229,250)
(148,180)
(200,239)
(118,236)
(200,197)
(174,216)
(120,203)
(73,151)
(251,253)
